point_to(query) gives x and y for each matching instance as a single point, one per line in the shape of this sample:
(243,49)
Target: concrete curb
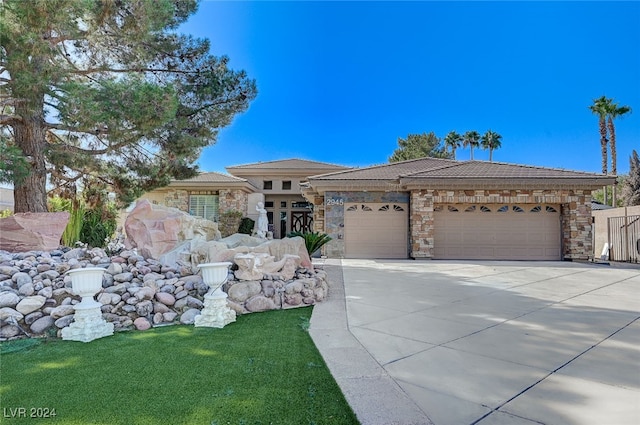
(373,395)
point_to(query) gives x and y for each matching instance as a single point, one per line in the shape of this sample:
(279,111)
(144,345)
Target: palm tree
(614,111)
(491,140)
(471,139)
(453,141)
(599,108)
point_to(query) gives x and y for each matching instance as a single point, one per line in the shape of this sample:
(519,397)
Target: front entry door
(301,221)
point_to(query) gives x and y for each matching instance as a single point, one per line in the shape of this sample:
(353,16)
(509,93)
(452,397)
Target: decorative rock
(165,298)
(114,268)
(170,316)
(62,311)
(293,288)
(42,324)
(105,298)
(7,312)
(27,289)
(259,303)
(159,307)
(50,274)
(46,292)
(30,304)
(145,293)
(123,277)
(156,229)
(63,322)
(180,304)
(242,291)
(158,318)
(268,288)
(141,324)
(21,278)
(117,289)
(189,316)
(38,231)
(8,299)
(32,317)
(181,294)
(194,303)
(294,299)
(144,308)
(9,331)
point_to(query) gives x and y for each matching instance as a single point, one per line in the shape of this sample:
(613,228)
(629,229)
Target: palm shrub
(312,240)
(246,225)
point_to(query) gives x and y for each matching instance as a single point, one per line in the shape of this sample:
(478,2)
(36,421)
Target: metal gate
(624,238)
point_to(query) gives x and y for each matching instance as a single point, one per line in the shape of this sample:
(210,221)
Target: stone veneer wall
(575,212)
(230,199)
(177,199)
(234,199)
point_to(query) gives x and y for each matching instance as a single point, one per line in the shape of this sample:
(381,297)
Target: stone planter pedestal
(216,312)
(88,323)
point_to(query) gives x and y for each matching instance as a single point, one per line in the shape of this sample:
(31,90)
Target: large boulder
(32,231)
(155,229)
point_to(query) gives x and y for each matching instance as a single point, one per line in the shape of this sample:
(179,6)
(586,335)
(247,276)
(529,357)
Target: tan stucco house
(274,183)
(424,209)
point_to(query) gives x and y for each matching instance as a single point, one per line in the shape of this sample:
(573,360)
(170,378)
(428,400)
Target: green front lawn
(262,369)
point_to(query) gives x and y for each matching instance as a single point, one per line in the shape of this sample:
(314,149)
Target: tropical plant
(75,208)
(419,146)
(614,111)
(631,188)
(491,141)
(599,108)
(246,226)
(453,141)
(108,89)
(312,240)
(471,139)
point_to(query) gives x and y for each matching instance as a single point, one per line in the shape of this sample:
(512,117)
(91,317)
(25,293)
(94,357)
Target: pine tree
(107,90)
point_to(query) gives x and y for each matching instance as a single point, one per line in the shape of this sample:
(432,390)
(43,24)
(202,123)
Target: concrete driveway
(452,342)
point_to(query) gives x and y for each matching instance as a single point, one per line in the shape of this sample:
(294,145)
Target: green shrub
(312,240)
(71,233)
(246,226)
(6,213)
(98,226)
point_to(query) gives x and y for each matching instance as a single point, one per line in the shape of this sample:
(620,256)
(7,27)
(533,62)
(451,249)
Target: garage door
(376,230)
(497,232)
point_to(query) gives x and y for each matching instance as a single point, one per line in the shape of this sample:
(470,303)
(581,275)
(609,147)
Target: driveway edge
(373,395)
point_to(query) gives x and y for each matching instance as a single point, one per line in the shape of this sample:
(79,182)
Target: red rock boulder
(32,231)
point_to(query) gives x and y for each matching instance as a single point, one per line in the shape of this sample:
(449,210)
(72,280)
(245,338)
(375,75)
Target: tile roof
(387,171)
(490,170)
(211,177)
(288,163)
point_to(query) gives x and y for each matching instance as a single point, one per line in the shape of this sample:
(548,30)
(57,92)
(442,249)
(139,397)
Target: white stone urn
(216,312)
(88,323)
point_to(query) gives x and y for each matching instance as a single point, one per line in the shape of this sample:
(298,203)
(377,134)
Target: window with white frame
(205,206)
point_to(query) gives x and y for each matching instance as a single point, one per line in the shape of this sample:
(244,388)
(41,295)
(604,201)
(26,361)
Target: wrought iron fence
(624,238)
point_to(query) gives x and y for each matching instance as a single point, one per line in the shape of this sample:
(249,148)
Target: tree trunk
(614,159)
(603,148)
(31,194)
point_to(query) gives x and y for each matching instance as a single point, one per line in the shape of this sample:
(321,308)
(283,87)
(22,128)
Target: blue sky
(340,82)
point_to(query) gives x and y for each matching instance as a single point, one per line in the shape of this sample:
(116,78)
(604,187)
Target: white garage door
(376,230)
(497,232)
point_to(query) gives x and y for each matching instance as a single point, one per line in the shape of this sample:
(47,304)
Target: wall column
(421,224)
